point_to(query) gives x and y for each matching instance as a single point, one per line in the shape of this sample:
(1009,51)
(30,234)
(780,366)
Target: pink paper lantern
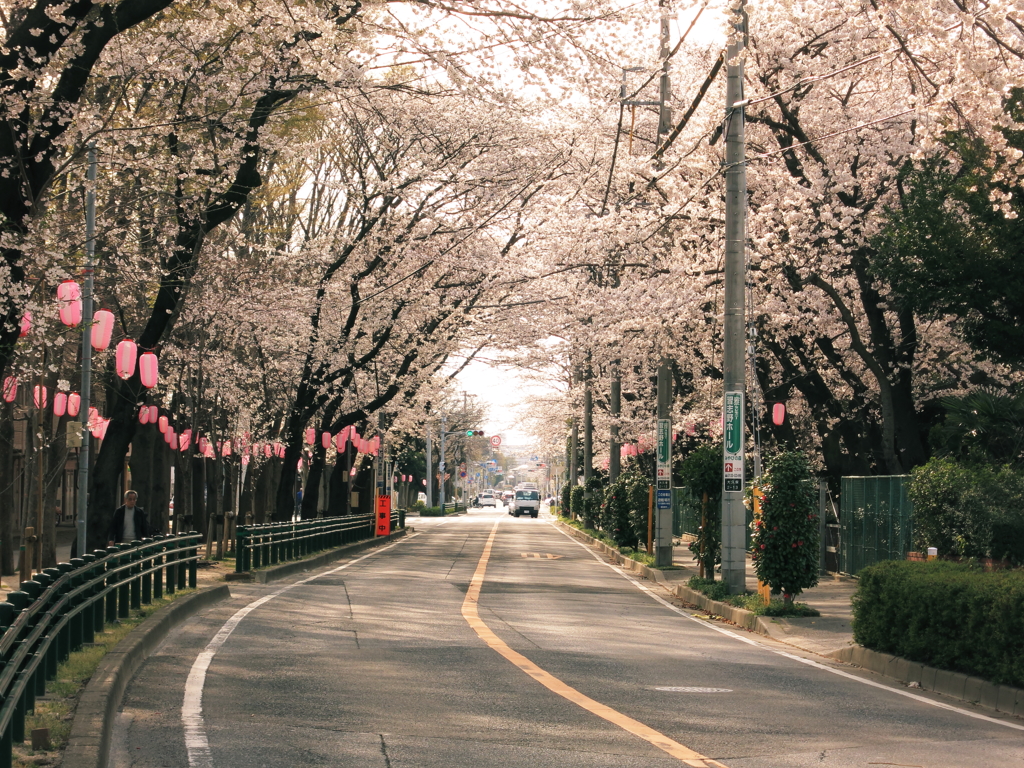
(279,450)
(154,413)
(778,414)
(126,355)
(310,435)
(267,450)
(173,442)
(226,448)
(10,389)
(245,461)
(148,370)
(203,443)
(163,423)
(341,439)
(60,403)
(39,396)
(74,404)
(26,324)
(691,428)
(168,435)
(69,296)
(185,440)
(325,439)
(144,415)
(103,326)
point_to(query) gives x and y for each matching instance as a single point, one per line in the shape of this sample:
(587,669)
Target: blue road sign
(664,499)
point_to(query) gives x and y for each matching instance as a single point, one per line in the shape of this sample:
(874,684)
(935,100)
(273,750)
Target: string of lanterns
(127,359)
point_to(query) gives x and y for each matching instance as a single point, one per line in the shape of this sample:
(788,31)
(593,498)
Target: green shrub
(576,502)
(785,540)
(623,502)
(592,505)
(952,510)
(431,512)
(701,473)
(946,615)
(716,590)
(566,499)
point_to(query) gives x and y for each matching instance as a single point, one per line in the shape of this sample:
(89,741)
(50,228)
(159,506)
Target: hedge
(946,615)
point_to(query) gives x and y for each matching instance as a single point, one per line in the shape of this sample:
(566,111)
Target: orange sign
(383,522)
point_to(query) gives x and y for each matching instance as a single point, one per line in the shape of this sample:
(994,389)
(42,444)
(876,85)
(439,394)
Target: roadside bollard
(933,553)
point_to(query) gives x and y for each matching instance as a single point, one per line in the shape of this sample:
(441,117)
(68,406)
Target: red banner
(383,526)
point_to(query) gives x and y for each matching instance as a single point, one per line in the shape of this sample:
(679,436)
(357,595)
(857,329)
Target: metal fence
(686,508)
(60,609)
(257,546)
(874,521)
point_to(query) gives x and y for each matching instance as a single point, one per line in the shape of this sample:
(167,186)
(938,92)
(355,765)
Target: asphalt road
(554,660)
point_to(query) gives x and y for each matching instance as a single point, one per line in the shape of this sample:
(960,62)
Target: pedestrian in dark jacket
(129,522)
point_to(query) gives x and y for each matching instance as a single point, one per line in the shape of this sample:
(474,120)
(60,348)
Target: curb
(974,690)
(651,574)
(89,742)
(301,566)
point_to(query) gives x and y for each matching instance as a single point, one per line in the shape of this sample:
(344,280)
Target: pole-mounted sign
(495,441)
(733,438)
(664,457)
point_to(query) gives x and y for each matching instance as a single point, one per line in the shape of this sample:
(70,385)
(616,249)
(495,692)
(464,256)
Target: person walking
(129,521)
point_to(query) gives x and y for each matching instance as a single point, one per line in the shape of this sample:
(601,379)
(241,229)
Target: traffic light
(474,433)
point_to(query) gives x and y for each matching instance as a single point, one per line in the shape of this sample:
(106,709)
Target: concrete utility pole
(663,473)
(615,409)
(574,441)
(440,463)
(588,431)
(430,467)
(83,413)
(663,486)
(734,561)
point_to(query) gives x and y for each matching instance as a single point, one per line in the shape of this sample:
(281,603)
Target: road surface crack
(384,751)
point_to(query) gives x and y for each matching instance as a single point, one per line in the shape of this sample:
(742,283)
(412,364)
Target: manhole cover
(691,689)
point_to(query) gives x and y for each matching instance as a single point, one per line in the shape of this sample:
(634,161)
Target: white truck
(526,500)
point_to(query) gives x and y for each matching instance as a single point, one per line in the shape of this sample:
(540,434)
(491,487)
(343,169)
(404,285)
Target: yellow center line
(553,684)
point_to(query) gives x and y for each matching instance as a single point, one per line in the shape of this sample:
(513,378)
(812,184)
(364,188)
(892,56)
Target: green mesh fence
(686,514)
(874,521)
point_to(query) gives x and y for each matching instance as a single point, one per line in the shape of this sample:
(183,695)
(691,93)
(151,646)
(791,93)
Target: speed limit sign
(495,440)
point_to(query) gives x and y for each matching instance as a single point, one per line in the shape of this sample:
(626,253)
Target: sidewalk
(821,635)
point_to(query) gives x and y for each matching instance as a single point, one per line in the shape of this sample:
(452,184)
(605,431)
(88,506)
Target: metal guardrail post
(77,565)
(158,574)
(171,575)
(124,580)
(146,556)
(109,562)
(241,554)
(193,564)
(135,556)
(182,567)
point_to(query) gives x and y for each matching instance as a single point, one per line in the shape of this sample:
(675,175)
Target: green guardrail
(62,608)
(257,546)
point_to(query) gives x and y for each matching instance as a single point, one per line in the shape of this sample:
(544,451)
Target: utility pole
(734,562)
(615,409)
(663,484)
(663,473)
(83,413)
(440,464)
(430,467)
(588,432)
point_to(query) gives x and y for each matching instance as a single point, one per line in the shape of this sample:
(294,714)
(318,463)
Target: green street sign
(733,423)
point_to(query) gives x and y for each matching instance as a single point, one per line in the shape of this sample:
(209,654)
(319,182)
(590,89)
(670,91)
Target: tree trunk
(8,510)
(311,493)
(199,495)
(159,499)
(338,486)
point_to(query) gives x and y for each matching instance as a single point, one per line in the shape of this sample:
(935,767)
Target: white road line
(808,662)
(196,743)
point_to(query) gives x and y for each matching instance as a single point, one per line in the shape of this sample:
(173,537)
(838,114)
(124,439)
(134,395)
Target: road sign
(664,499)
(383,527)
(495,440)
(664,455)
(732,467)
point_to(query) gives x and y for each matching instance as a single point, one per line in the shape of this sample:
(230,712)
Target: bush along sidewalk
(945,615)
(604,538)
(719,590)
